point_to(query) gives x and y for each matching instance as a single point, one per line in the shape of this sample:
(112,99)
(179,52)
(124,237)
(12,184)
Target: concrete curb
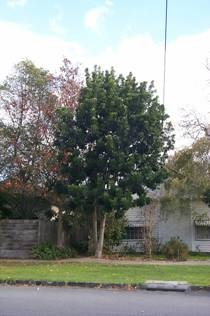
(73,284)
(175,286)
(119,286)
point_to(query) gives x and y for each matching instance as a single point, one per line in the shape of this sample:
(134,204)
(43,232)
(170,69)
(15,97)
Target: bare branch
(194,125)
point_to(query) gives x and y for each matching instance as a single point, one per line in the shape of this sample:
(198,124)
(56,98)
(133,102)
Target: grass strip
(100,273)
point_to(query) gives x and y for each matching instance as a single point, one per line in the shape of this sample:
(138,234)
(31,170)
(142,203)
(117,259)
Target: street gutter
(174,286)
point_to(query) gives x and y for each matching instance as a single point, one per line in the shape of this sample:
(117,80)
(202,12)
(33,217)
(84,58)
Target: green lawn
(195,256)
(81,272)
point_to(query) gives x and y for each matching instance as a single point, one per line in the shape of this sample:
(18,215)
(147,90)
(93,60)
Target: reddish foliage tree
(30,99)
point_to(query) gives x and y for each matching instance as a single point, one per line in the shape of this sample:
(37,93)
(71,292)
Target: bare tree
(194,125)
(150,218)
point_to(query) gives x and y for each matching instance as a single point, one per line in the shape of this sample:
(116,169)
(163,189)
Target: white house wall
(176,224)
(136,218)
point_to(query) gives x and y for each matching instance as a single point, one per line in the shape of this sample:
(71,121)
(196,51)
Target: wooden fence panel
(18,237)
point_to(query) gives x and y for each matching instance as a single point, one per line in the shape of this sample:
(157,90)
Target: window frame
(197,237)
(131,230)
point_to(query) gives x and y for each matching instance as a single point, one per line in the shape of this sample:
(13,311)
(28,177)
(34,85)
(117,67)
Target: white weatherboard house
(192,231)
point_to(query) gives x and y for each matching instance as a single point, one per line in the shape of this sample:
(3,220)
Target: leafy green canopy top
(115,145)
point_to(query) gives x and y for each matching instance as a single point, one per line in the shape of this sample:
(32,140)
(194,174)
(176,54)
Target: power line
(165,51)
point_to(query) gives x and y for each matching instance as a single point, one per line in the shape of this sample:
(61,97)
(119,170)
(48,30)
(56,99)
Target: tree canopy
(29,99)
(113,147)
(189,178)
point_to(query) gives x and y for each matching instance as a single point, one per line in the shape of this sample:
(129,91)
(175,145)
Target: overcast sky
(126,34)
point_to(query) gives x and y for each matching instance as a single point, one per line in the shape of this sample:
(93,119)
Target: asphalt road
(32,301)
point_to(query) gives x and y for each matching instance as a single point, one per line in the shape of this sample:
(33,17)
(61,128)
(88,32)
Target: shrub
(81,246)
(153,247)
(127,250)
(175,249)
(114,233)
(47,251)
(14,205)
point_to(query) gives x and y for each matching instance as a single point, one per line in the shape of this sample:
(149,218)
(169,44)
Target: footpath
(136,261)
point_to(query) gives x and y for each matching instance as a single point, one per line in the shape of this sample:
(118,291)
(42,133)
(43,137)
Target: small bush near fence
(175,249)
(47,251)
(80,246)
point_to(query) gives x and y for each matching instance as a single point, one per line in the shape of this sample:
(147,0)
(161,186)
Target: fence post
(40,230)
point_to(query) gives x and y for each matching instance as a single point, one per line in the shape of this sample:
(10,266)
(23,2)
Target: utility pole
(165,48)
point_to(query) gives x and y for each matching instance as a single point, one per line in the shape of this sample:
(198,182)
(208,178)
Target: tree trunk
(94,233)
(148,241)
(100,242)
(95,228)
(60,232)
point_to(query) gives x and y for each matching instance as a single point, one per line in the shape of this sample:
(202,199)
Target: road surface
(33,301)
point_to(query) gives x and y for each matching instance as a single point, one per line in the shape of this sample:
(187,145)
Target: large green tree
(189,179)
(113,147)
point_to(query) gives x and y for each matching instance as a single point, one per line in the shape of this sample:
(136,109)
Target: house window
(202,232)
(134,233)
